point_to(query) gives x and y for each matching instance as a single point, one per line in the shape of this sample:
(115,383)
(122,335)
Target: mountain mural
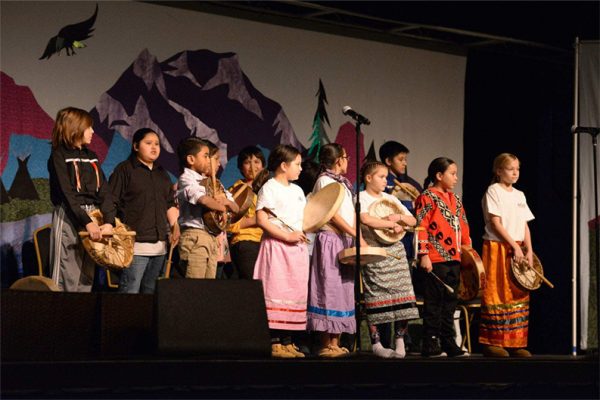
(20,114)
(193,93)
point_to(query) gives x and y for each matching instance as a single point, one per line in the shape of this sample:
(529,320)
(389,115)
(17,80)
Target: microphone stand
(357,240)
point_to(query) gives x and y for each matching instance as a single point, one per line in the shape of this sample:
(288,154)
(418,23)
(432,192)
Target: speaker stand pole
(596,226)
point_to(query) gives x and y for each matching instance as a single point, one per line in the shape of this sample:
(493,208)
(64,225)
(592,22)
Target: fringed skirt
(331,289)
(283,269)
(388,289)
(504,306)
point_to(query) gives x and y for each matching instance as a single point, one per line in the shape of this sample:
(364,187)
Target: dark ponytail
(282,153)
(440,165)
(329,154)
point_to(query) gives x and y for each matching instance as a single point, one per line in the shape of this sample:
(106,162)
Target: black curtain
(524,106)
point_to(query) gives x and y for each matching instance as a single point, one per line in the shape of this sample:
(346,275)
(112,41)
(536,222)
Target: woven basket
(114,252)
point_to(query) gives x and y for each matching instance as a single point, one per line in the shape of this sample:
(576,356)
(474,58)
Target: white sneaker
(382,352)
(400,351)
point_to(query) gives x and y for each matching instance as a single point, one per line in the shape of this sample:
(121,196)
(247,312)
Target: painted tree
(371,156)
(319,137)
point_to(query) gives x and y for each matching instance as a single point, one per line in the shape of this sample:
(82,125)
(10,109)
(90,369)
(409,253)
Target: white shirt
(287,202)
(346,209)
(190,188)
(367,199)
(511,207)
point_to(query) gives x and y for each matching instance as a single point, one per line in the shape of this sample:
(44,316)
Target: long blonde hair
(499,162)
(70,124)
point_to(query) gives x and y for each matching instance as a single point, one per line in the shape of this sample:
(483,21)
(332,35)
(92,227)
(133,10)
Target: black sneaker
(450,347)
(431,347)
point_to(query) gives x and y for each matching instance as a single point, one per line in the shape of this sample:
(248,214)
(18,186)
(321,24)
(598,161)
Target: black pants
(243,257)
(439,304)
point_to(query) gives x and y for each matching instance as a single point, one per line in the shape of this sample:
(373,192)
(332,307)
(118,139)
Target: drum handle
(546,281)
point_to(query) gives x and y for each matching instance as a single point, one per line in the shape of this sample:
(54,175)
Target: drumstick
(546,281)
(411,228)
(450,290)
(168,269)
(241,189)
(406,190)
(305,240)
(128,233)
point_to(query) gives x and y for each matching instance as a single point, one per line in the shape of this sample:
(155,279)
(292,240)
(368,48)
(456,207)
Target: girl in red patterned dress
(441,213)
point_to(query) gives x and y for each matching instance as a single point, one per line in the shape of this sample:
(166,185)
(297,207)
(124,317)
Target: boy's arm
(211,203)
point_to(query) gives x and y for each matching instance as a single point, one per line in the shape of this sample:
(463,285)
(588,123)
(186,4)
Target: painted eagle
(71,37)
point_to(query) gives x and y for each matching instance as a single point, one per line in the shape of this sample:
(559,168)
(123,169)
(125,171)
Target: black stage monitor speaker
(45,325)
(211,317)
(126,327)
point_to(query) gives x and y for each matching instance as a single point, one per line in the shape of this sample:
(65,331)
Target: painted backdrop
(182,73)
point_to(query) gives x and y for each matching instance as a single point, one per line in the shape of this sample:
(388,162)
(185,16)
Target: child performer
(282,263)
(245,241)
(223,256)
(395,156)
(504,306)
(441,213)
(197,247)
(331,309)
(144,198)
(388,290)
(77,186)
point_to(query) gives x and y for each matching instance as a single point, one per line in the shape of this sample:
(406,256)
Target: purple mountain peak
(200,129)
(193,93)
(182,68)
(147,68)
(112,110)
(230,73)
(282,126)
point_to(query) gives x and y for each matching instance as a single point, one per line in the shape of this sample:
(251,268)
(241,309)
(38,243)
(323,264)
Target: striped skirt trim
(504,306)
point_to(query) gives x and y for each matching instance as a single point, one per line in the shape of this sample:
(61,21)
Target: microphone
(585,129)
(347,110)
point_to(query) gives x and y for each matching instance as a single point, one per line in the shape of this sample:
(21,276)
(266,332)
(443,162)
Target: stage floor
(359,376)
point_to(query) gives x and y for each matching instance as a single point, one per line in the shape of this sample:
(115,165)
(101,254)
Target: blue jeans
(141,276)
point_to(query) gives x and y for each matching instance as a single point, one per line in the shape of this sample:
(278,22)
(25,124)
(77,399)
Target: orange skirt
(504,306)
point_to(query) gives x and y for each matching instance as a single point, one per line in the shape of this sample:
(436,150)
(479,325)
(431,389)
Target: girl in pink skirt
(282,263)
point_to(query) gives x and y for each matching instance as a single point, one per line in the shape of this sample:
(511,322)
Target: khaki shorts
(198,253)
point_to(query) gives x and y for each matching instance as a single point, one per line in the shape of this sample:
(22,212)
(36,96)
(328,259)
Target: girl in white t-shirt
(331,309)
(282,263)
(504,306)
(388,289)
